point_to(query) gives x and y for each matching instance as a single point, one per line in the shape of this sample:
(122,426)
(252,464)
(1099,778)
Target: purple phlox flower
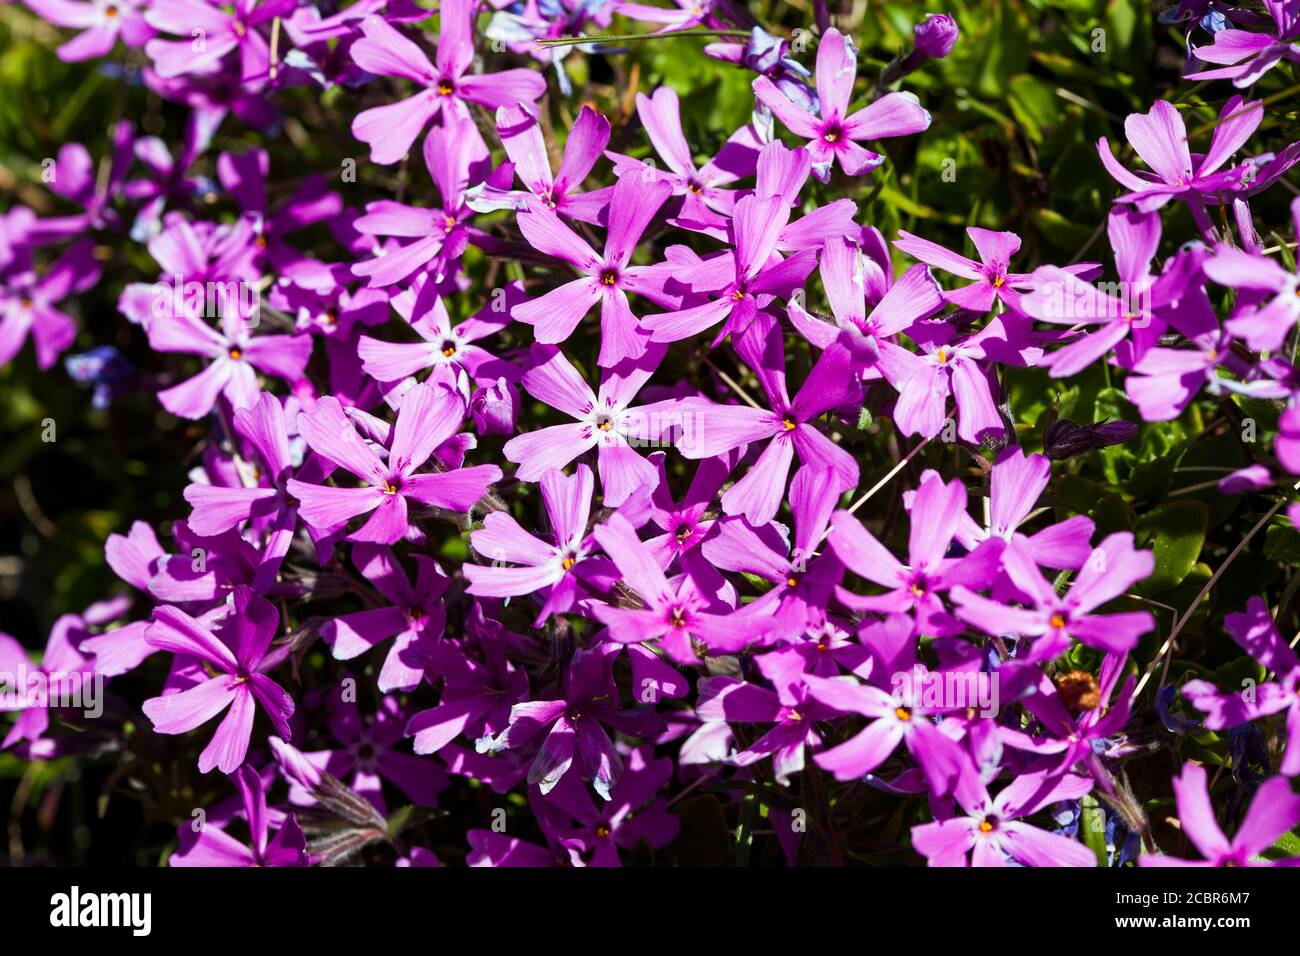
(101,23)
(688,522)
(961,367)
(1273,811)
(314,59)
(1055,620)
(782,172)
(1253,629)
(790,706)
(826,647)
(29,300)
(415,617)
(345,23)
(680,615)
(479,686)
(699,187)
(390,130)
(213,96)
(206,844)
(132,558)
(1159,137)
(567,565)
(1245,56)
(455,156)
(219,32)
(1130,321)
(240,655)
(262,495)
(1078,714)
(203,262)
(443,344)
(204,569)
(575,725)
(848,276)
(835,134)
(318,298)
(743,279)
(167,182)
(802,578)
(788,424)
(1016,482)
(1165,380)
(992,280)
(606,278)
(607,421)
(917,585)
(77,180)
(897,717)
(769,56)
(593,834)
(369,755)
(426,420)
(234,357)
(992,829)
(33,691)
(244,176)
(521,135)
(1262,321)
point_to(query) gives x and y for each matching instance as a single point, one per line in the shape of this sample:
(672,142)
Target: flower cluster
(562,468)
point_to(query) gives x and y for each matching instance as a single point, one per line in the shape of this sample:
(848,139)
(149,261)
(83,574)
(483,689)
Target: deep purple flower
(240,655)
(1274,810)
(836,133)
(390,130)
(992,829)
(206,844)
(426,420)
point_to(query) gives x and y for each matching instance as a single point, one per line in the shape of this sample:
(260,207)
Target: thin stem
(867,495)
(1191,608)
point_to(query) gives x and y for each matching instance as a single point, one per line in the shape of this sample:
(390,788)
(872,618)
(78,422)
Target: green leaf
(1092,827)
(1176,533)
